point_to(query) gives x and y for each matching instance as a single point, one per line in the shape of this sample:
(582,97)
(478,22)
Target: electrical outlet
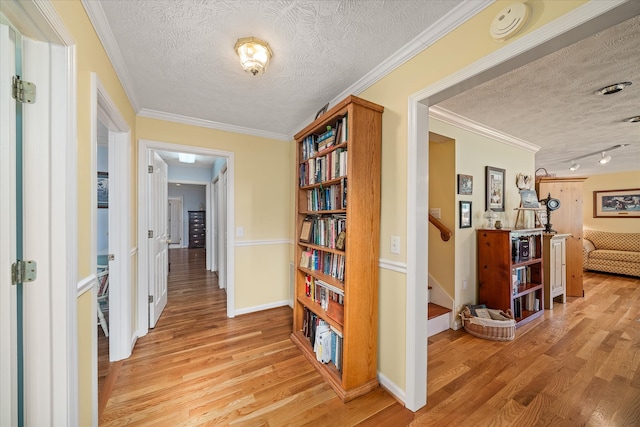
(435,212)
(239,231)
(395,244)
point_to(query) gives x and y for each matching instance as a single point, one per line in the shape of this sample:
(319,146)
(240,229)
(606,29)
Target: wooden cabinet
(197,237)
(567,220)
(555,271)
(337,243)
(510,272)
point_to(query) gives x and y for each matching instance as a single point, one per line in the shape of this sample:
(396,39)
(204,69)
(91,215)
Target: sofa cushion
(605,255)
(614,241)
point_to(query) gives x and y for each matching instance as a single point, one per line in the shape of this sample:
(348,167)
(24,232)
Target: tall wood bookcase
(360,137)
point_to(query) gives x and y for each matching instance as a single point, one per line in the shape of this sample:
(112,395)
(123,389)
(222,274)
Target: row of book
(520,276)
(328,263)
(322,293)
(325,231)
(524,247)
(326,341)
(329,198)
(529,302)
(320,169)
(314,144)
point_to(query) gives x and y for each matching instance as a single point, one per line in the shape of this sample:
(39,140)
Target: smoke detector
(509,21)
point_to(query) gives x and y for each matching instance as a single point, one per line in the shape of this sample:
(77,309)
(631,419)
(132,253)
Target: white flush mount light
(604,159)
(254,54)
(509,21)
(186,158)
(611,89)
(574,166)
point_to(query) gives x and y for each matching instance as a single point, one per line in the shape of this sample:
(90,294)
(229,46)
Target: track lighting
(604,159)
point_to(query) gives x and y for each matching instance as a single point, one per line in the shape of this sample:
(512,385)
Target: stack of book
(328,263)
(333,197)
(326,340)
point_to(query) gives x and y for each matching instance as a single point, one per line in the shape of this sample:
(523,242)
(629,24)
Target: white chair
(103,296)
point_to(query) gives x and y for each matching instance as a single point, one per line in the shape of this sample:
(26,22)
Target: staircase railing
(445,233)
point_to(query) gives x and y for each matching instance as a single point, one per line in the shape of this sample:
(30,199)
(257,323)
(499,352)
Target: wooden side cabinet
(196,229)
(555,272)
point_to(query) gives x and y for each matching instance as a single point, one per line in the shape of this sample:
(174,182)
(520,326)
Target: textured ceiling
(551,103)
(176,59)
(179,53)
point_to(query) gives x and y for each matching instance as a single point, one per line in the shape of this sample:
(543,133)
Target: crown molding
(186,120)
(456,17)
(103,30)
(462,122)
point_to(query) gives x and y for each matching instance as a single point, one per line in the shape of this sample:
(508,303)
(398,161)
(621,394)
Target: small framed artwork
(495,189)
(322,110)
(465,214)
(305,231)
(616,203)
(103,189)
(529,199)
(465,184)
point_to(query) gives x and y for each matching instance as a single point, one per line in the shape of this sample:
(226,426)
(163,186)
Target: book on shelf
(326,230)
(524,248)
(332,197)
(325,340)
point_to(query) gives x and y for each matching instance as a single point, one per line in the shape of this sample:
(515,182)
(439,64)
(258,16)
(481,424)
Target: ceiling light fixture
(604,159)
(634,119)
(254,54)
(611,89)
(186,158)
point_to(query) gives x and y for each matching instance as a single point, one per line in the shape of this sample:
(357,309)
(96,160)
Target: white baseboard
(263,307)
(438,324)
(392,388)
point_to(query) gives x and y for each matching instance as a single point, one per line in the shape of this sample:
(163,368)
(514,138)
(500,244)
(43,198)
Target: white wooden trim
(142,325)
(398,267)
(242,243)
(498,62)
(262,307)
(462,122)
(392,387)
(86,284)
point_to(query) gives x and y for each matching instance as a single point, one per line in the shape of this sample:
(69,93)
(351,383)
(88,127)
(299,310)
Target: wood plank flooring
(579,364)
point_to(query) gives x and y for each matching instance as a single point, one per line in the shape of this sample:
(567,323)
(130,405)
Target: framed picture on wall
(495,188)
(103,189)
(616,203)
(465,184)
(465,214)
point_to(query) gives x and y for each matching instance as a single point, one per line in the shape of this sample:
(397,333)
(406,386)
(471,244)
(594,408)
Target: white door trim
(57,402)
(511,56)
(143,285)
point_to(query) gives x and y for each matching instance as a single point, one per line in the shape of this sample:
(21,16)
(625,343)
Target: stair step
(435,310)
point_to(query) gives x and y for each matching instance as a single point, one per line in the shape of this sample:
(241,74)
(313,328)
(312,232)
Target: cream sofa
(612,252)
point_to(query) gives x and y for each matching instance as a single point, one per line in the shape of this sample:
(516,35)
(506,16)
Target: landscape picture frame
(616,203)
(494,188)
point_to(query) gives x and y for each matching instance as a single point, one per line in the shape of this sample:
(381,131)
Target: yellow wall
(458,49)
(442,194)
(611,181)
(262,204)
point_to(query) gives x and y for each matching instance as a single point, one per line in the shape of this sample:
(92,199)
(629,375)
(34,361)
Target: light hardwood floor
(579,364)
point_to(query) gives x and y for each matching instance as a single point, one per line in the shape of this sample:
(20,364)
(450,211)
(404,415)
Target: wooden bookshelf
(360,149)
(506,278)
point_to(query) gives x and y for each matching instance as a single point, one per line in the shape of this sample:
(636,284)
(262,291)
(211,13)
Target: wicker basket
(497,330)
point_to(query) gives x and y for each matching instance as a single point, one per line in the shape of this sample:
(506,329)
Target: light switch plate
(435,212)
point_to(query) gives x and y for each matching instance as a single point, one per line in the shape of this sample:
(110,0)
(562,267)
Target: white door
(158,242)
(222,230)
(175,222)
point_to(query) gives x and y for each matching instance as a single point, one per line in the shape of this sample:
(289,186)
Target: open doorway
(183,180)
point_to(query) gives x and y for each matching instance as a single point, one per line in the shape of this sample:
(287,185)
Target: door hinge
(150,299)
(22,91)
(23,271)
(150,169)
(150,233)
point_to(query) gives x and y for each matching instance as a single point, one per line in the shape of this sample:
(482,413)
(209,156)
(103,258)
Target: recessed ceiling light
(633,119)
(611,89)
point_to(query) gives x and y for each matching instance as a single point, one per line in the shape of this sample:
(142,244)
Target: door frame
(143,280)
(55,401)
(559,33)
